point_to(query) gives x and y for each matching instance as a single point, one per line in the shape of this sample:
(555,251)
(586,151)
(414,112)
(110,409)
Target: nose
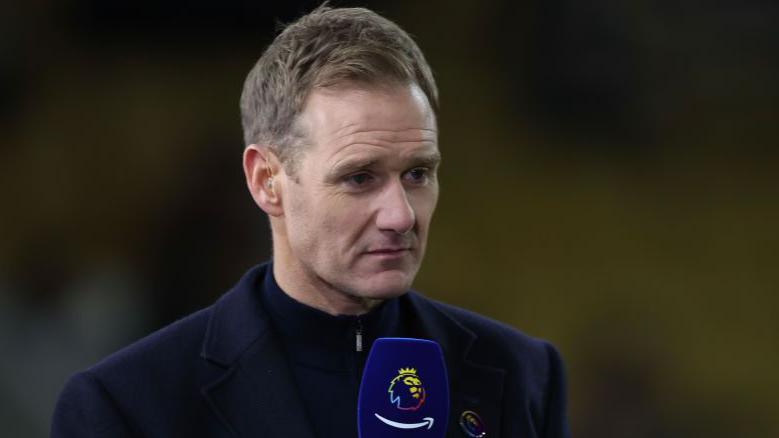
(394,211)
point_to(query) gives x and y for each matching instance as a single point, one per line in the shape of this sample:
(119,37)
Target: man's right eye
(359,179)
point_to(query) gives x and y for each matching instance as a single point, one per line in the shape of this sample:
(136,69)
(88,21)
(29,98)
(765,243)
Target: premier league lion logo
(406,390)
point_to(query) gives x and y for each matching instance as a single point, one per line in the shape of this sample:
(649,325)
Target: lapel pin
(472,424)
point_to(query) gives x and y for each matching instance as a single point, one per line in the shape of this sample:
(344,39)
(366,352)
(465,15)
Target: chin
(386,285)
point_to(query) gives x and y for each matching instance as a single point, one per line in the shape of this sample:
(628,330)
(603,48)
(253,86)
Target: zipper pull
(358,336)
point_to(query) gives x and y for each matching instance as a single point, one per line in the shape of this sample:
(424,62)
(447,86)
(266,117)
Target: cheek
(300,228)
(319,222)
(424,204)
(347,219)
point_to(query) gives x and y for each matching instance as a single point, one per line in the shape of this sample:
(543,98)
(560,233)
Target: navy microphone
(404,390)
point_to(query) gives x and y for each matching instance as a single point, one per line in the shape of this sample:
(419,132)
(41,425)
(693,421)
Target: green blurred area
(639,236)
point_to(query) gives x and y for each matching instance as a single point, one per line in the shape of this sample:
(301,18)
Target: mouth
(389,252)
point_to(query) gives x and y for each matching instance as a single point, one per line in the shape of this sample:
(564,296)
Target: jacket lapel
(473,387)
(479,390)
(253,392)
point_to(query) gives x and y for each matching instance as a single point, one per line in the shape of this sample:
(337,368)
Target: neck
(308,288)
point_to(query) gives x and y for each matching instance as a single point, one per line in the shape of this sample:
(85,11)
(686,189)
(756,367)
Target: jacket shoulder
(119,395)
(162,366)
(163,349)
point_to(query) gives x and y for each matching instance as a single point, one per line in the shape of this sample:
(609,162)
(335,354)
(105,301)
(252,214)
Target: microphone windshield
(404,390)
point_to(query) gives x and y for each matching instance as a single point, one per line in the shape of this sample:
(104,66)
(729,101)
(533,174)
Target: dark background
(609,183)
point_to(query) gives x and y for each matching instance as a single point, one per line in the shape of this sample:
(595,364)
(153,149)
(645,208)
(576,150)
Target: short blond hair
(325,48)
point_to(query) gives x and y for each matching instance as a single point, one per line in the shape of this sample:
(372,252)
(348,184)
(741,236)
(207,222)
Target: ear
(261,166)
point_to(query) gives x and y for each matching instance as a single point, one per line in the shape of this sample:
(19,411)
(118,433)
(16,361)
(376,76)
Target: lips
(397,246)
(389,250)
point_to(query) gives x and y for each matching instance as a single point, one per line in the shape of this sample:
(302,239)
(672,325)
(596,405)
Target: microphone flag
(404,390)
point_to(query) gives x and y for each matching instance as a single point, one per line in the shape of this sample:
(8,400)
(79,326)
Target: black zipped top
(327,354)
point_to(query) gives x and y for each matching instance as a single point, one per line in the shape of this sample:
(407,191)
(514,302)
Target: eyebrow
(349,166)
(426,159)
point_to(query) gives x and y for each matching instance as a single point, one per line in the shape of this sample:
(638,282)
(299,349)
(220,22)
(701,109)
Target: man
(342,154)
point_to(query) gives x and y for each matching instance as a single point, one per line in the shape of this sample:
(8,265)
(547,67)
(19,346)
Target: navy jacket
(221,373)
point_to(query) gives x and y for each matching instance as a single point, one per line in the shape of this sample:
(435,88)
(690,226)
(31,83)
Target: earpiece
(269,181)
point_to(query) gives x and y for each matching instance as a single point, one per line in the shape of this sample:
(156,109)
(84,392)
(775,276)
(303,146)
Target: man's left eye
(417,175)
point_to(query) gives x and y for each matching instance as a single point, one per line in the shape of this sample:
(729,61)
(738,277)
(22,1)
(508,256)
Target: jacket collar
(254,393)
(236,320)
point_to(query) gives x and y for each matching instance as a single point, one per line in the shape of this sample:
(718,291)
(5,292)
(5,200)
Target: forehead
(341,119)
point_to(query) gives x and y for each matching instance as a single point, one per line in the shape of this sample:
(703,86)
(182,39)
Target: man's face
(358,209)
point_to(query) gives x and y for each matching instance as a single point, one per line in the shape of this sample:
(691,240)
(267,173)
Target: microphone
(404,390)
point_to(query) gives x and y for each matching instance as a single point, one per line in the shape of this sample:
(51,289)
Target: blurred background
(609,183)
